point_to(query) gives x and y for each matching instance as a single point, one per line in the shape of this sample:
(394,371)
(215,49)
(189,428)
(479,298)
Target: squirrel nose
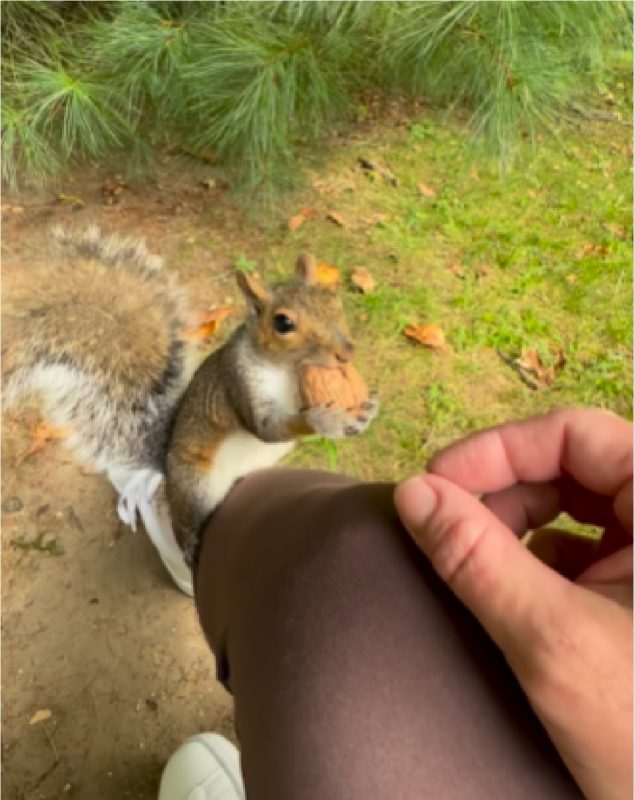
(345,351)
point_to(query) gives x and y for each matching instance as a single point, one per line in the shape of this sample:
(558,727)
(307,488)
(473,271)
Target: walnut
(342,386)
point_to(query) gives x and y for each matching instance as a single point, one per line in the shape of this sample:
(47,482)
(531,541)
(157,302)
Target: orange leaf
(301,217)
(429,334)
(328,275)
(532,370)
(589,248)
(338,219)
(530,360)
(364,281)
(208,324)
(425,190)
(295,222)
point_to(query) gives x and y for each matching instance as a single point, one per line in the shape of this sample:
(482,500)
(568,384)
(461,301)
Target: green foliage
(253,82)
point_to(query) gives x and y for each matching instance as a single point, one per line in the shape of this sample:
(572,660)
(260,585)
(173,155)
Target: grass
(537,259)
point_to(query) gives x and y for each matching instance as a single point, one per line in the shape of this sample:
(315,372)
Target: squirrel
(99,338)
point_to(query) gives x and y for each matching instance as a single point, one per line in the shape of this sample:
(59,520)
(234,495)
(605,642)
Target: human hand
(566,630)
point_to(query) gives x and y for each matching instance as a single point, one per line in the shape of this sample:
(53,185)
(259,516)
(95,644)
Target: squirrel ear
(306,268)
(253,290)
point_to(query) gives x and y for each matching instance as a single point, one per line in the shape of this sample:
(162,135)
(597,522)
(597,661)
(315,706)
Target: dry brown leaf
(295,222)
(338,219)
(457,270)
(41,715)
(429,334)
(483,271)
(363,280)
(208,324)
(372,166)
(375,219)
(532,370)
(616,230)
(425,190)
(8,208)
(588,248)
(327,274)
(301,217)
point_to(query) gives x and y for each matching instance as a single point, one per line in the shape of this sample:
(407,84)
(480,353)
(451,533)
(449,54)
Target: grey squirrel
(99,339)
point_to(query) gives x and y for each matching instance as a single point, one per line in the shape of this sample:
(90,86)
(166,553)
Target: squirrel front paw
(342,423)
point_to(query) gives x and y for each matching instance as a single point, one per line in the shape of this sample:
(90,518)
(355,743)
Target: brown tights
(355,672)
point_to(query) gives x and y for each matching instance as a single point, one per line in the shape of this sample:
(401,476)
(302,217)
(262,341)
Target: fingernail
(415,502)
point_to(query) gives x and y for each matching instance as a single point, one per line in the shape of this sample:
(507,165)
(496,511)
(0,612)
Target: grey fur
(117,420)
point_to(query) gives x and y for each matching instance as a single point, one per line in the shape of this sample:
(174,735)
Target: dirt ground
(95,636)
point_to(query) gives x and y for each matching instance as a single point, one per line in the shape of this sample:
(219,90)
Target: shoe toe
(205,767)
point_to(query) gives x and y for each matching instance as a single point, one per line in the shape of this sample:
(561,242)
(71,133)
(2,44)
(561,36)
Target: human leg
(355,672)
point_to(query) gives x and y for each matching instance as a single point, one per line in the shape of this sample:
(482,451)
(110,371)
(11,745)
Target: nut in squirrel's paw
(339,404)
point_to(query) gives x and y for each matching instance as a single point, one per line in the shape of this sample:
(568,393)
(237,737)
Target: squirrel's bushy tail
(110,250)
(96,333)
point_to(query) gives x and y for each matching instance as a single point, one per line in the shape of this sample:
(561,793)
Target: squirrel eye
(282,323)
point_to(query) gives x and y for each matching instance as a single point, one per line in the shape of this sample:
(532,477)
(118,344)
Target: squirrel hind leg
(190,507)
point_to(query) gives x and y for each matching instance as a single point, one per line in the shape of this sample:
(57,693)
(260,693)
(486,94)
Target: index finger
(593,446)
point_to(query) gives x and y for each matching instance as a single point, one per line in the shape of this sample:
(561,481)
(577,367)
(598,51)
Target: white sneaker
(205,767)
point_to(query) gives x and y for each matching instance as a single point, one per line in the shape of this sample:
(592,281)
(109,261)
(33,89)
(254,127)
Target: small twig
(50,738)
(599,116)
(512,363)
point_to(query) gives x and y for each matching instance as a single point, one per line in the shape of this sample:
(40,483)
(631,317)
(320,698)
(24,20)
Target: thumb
(512,594)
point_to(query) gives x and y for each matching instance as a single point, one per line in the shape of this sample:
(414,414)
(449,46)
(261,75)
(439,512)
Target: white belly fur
(238,455)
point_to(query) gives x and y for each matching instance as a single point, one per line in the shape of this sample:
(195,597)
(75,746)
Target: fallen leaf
(40,716)
(7,208)
(429,334)
(301,217)
(364,281)
(113,186)
(457,270)
(72,199)
(530,360)
(588,248)
(375,219)
(295,222)
(338,219)
(616,230)
(208,324)
(483,271)
(327,274)
(531,368)
(425,190)
(373,166)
